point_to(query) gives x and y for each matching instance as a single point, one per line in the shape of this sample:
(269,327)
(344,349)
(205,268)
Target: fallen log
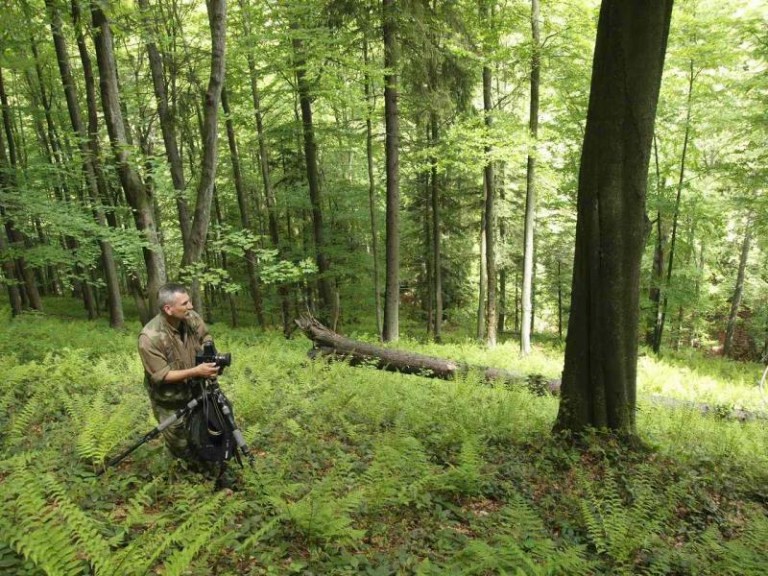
(329,344)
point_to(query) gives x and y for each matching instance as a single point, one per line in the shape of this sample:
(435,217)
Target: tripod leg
(164,424)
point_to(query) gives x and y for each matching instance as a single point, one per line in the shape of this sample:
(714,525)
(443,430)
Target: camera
(209,354)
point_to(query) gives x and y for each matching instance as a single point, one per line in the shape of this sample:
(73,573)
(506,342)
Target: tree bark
(530,196)
(392,150)
(193,250)
(136,192)
(599,385)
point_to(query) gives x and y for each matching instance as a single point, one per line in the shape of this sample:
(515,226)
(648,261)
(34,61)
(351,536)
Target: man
(167,347)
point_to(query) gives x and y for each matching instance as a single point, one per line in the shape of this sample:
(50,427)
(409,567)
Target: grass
(358,471)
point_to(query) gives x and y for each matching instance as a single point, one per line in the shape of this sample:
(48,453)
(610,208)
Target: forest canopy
(242,148)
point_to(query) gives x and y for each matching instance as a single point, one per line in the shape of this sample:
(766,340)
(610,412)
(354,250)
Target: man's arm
(204,370)
(157,367)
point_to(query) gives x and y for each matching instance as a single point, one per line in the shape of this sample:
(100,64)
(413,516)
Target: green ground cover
(363,472)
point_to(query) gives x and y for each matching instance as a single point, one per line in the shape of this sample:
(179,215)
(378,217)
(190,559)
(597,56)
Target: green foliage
(363,472)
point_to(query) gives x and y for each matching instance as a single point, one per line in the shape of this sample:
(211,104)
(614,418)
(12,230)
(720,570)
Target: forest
(572,190)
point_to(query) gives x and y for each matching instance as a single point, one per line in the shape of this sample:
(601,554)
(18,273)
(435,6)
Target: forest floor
(359,471)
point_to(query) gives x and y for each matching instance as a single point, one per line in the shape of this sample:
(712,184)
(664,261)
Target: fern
(619,529)
(34,528)
(520,545)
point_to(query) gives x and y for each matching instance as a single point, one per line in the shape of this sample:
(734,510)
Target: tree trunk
(599,385)
(482,282)
(392,151)
(437,260)
(116,317)
(503,273)
(167,123)
(372,190)
(530,196)
(738,290)
(269,194)
(9,273)
(193,250)
(8,164)
(490,217)
(325,290)
(330,344)
(245,218)
(135,191)
(676,217)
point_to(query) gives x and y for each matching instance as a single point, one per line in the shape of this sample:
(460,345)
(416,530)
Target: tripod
(210,394)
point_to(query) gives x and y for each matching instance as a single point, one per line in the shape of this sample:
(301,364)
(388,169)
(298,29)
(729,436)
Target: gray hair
(167,293)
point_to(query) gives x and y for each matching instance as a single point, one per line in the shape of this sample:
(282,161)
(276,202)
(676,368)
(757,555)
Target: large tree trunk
(530,196)
(193,250)
(599,385)
(245,218)
(116,318)
(135,190)
(392,151)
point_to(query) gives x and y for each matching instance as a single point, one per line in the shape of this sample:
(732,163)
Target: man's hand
(206,370)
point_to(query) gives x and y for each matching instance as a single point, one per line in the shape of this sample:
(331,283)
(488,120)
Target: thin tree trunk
(245,219)
(167,124)
(490,217)
(738,290)
(676,217)
(325,290)
(392,151)
(372,191)
(437,261)
(503,273)
(134,188)
(193,250)
(116,317)
(483,281)
(269,194)
(8,163)
(530,197)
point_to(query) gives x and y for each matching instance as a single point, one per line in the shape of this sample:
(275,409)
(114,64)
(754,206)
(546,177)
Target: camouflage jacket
(163,348)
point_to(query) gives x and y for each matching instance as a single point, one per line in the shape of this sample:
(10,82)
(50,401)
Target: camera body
(209,355)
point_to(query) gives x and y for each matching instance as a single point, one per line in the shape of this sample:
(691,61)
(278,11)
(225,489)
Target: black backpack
(210,438)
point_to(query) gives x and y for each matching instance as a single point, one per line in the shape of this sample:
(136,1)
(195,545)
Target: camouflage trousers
(175,435)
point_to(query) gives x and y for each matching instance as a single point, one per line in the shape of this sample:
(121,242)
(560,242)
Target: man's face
(179,307)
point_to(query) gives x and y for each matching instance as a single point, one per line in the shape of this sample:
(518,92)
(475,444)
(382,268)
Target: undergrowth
(364,472)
